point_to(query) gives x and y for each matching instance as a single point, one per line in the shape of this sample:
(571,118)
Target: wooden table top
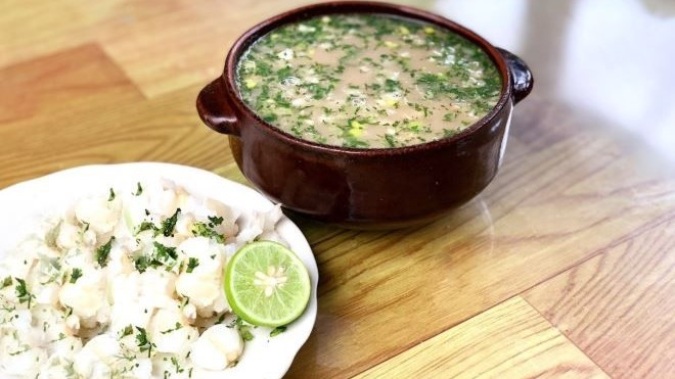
(563,266)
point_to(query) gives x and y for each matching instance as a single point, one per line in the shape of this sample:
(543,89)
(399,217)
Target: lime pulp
(266,284)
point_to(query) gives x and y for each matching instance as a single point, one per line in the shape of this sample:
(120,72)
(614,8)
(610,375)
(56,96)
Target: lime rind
(248,300)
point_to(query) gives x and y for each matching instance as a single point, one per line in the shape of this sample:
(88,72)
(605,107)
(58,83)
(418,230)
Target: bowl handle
(215,109)
(521,76)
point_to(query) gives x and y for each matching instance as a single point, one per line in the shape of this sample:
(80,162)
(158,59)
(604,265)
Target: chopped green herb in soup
(367,81)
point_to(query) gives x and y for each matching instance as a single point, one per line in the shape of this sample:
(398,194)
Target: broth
(367,81)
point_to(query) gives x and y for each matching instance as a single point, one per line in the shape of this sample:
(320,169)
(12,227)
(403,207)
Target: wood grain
(579,220)
(76,107)
(56,85)
(511,340)
(44,102)
(619,306)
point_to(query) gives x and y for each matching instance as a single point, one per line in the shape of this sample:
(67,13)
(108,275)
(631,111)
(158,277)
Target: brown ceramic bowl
(364,188)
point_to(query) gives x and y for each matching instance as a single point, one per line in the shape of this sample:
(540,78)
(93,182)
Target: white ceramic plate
(25,204)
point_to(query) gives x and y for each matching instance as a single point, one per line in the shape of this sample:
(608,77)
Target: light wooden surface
(563,267)
(509,340)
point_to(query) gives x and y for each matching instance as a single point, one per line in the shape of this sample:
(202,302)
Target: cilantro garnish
(76,274)
(22,292)
(278,330)
(6,282)
(178,326)
(165,252)
(103,251)
(243,329)
(143,342)
(162,255)
(176,365)
(141,263)
(390,139)
(146,225)
(192,264)
(127,331)
(215,220)
(139,189)
(201,229)
(221,319)
(449,116)
(170,223)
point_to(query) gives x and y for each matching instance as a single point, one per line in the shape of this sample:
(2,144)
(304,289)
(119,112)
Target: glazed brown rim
(350,7)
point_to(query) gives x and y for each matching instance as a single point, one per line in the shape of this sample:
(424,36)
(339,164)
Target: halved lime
(266,284)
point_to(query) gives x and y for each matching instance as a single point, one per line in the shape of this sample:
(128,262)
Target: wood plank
(511,340)
(41,104)
(38,28)
(619,307)
(80,108)
(165,129)
(66,82)
(507,240)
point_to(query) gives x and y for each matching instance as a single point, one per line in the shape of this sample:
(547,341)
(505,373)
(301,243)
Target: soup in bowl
(367,80)
(368,115)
